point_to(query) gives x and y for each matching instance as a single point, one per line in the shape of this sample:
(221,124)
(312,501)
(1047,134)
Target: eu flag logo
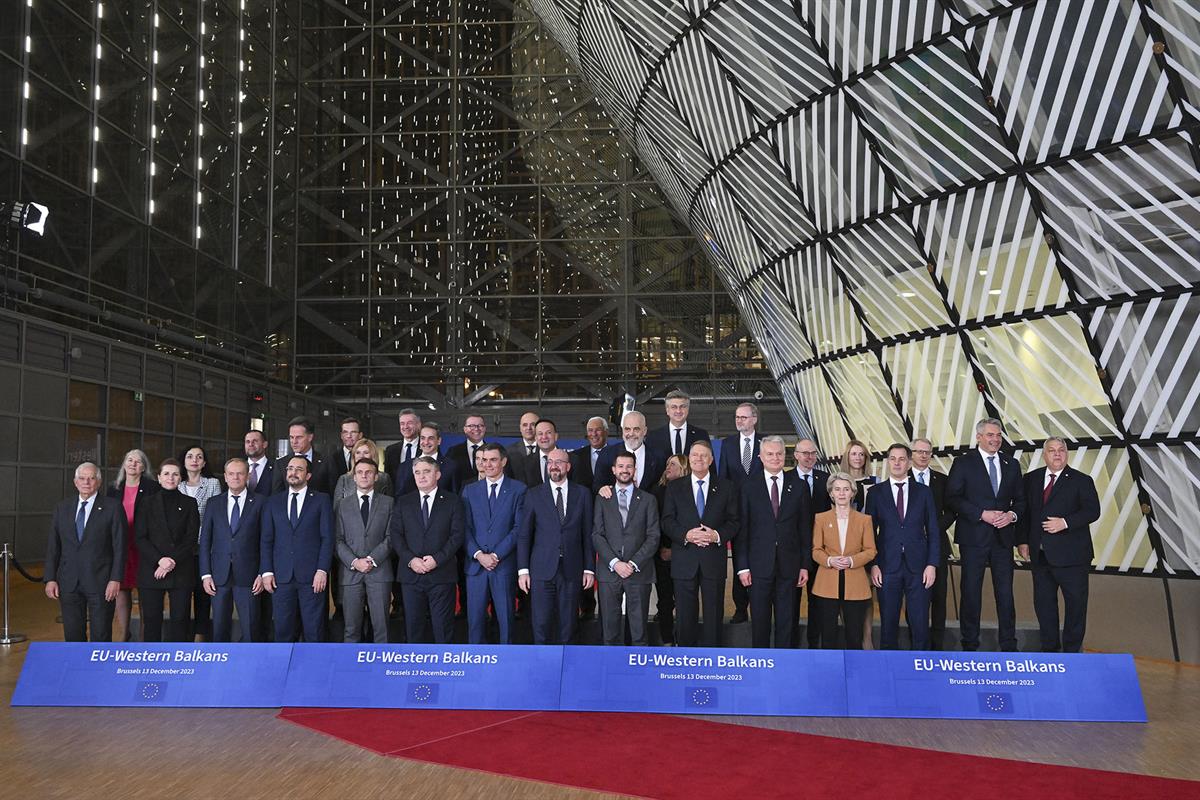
(423,694)
(150,692)
(700,696)
(996,703)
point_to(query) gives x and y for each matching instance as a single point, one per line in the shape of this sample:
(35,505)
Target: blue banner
(486,677)
(704,681)
(1019,686)
(177,675)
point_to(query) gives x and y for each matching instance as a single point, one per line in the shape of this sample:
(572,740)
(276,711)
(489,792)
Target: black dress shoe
(738,617)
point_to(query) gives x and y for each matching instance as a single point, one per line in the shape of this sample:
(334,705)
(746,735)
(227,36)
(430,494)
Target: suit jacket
(355,540)
(820,490)
(167,525)
(345,487)
(461,456)
(296,552)
(449,482)
(442,538)
(652,470)
(770,545)
(969,493)
(392,459)
(146,488)
(661,439)
(518,463)
(88,565)
(721,509)
(635,540)
(266,481)
(493,530)
(914,541)
(729,465)
(860,546)
(541,537)
(322,476)
(1073,498)
(231,556)
(945,514)
(581,465)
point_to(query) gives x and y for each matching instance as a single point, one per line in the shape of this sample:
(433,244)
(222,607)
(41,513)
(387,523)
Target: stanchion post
(6,635)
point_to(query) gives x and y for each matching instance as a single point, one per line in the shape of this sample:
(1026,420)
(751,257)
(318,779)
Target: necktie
(994,475)
(678,441)
(921,478)
(80,518)
(474,447)
(700,498)
(295,508)
(747,451)
(425,508)
(545,469)
(1049,488)
(900,500)
(235,515)
(365,509)
(595,458)
(775,495)
(560,505)
(623,505)
(492,498)
(253,476)
(530,448)
(808,480)
(407,452)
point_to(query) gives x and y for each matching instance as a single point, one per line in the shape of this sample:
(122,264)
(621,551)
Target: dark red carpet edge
(662,756)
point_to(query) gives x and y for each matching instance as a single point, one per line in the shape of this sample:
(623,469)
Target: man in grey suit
(364,554)
(626,534)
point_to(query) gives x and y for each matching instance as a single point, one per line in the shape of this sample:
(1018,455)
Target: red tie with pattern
(1049,488)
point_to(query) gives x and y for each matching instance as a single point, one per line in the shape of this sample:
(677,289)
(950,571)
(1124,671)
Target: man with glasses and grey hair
(987,494)
(924,474)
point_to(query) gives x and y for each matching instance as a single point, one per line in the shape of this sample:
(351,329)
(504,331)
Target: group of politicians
(492,532)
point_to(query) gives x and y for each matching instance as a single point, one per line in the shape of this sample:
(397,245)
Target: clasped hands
(165,565)
(997,519)
(702,536)
(422,565)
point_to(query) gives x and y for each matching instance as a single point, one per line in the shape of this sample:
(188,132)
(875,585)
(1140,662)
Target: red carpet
(653,755)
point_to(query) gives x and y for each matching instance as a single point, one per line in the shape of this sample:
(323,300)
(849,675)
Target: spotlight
(31,216)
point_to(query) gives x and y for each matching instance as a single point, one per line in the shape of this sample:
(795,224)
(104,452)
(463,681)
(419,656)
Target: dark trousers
(248,609)
(903,587)
(937,606)
(82,611)
(201,608)
(664,589)
(778,593)
(1072,581)
(299,610)
(429,607)
(555,606)
(741,598)
(265,616)
(853,613)
(151,601)
(813,631)
(975,560)
(688,593)
(637,610)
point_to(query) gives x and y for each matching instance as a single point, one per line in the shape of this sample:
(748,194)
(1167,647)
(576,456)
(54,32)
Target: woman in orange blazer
(843,544)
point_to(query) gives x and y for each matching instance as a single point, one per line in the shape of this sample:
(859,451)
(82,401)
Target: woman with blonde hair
(843,545)
(131,488)
(363,449)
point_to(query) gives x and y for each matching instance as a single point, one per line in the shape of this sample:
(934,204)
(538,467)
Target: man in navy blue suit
(494,506)
(555,554)
(678,435)
(986,492)
(908,543)
(1056,538)
(296,554)
(650,463)
(429,442)
(739,459)
(772,553)
(230,539)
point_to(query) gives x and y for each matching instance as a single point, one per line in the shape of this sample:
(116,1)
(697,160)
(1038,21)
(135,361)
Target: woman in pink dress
(131,487)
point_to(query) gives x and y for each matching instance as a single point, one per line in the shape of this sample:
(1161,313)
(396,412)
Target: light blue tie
(921,478)
(700,498)
(994,475)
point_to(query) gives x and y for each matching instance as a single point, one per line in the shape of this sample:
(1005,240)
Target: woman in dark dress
(165,531)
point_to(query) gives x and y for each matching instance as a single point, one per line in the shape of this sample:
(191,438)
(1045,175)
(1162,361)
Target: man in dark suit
(463,453)
(536,467)
(700,514)
(816,483)
(230,549)
(261,468)
(297,553)
(364,554)
(1056,537)
(430,442)
(493,511)
(349,432)
(922,453)
(907,540)
(773,550)
(409,446)
(428,528)
(300,439)
(555,554)
(525,450)
(625,532)
(650,463)
(738,459)
(987,494)
(677,436)
(85,558)
(583,460)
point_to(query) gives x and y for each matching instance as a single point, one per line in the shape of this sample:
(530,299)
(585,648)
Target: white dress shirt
(707,494)
(87,511)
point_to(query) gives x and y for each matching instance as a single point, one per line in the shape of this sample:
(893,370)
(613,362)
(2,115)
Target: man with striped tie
(738,461)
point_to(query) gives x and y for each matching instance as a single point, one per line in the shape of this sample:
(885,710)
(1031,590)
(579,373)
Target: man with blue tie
(230,549)
(986,491)
(296,554)
(85,558)
(493,511)
(555,554)
(908,542)
(738,460)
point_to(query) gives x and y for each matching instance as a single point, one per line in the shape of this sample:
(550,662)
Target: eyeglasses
(473,425)
(922,452)
(557,461)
